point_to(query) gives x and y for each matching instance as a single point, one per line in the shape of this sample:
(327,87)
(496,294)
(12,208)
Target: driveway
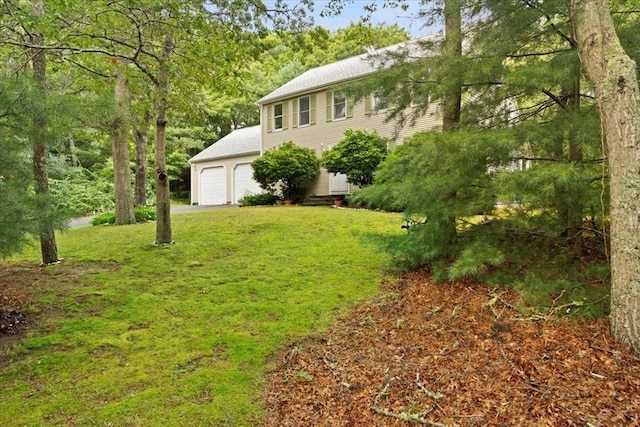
(175,210)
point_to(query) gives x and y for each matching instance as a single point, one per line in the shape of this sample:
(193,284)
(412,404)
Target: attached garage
(243,182)
(221,174)
(213,186)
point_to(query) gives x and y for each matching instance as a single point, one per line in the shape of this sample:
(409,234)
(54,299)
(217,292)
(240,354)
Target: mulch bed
(454,354)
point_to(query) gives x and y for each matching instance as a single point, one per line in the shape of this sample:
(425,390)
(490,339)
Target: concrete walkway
(175,210)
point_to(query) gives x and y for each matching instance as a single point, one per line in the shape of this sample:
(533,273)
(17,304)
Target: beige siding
(229,165)
(324,134)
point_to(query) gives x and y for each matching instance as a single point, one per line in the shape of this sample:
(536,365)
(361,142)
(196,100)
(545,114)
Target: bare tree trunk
(48,246)
(614,79)
(142,140)
(163,202)
(120,148)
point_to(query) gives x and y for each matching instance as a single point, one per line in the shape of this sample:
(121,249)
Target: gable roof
(344,70)
(239,142)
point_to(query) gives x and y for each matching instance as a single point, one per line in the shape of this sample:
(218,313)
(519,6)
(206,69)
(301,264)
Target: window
(379,101)
(339,106)
(304,106)
(278,116)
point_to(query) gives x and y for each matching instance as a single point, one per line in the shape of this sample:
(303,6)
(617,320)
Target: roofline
(228,156)
(261,101)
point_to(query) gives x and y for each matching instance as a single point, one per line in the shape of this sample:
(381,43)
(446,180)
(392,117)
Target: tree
(17,202)
(613,75)
(48,245)
(286,168)
(119,133)
(357,156)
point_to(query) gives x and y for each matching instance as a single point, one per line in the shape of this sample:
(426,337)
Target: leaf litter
(454,354)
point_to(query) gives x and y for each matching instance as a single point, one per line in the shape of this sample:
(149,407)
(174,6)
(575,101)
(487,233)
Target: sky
(353,11)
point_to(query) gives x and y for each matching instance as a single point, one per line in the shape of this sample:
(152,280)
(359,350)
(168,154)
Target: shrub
(258,199)
(286,169)
(357,156)
(142,213)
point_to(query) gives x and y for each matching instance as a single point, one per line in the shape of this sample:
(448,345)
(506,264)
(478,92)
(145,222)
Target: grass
(137,335)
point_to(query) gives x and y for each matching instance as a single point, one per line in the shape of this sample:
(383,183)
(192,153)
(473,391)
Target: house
(312,111)
(221,174)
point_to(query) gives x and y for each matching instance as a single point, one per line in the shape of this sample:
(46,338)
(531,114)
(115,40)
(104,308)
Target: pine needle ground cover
(129,334)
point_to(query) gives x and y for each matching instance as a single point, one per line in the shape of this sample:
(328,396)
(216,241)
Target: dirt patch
(454,354)
(21,283)
(15,294)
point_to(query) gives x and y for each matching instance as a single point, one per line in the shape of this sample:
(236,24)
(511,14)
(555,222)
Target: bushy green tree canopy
(357,156)
(286,168)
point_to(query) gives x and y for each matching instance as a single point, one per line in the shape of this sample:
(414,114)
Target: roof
(341,71)
(239,142)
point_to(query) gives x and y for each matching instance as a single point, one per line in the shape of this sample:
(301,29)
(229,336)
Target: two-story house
(313,111)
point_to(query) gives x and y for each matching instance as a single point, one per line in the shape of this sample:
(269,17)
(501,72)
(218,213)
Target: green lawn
(137,335)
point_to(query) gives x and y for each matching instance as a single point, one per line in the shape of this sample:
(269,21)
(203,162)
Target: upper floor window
(278,116)
(304,105)
(379,101)
(339,106)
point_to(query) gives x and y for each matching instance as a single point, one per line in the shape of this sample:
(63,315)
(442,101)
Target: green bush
(357,156)
(286,169)
(142,213)
(261,199)
(104,218)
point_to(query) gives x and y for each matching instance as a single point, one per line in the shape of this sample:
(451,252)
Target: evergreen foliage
(357,156)
(285,169)
(441,181)
(21,217)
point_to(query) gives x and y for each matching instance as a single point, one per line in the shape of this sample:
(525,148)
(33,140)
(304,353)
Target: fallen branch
(412,418)
(435,396)
(496,297)
(418,418)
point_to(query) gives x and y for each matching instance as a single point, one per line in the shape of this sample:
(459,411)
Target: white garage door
(213,186)
(243,182)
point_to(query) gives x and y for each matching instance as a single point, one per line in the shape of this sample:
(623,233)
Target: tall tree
(48,245)
(615,82)
(163,202)
(119,134)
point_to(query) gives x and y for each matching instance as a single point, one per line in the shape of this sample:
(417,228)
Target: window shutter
(350,103)
(285,116)
(368,101)
(329,106)
(269,118)
(294,118)
(312,109)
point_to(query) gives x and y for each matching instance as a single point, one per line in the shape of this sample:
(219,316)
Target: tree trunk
(613,75)
(163,202)
(120,148)
(48,246)
(142,140)
(452,99)
(572,211)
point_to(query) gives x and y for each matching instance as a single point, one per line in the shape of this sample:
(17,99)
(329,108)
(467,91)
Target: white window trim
(308,110)
(281,116)
(333,108)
